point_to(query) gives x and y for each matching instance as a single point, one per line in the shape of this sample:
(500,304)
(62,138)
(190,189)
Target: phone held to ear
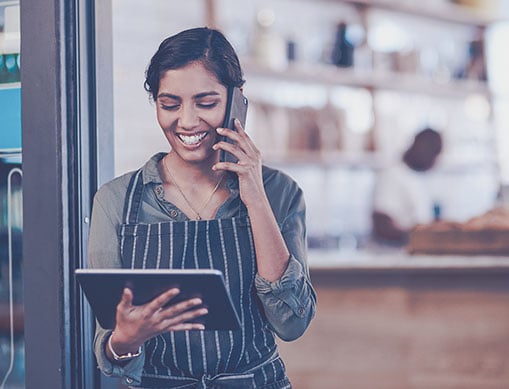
(236,108)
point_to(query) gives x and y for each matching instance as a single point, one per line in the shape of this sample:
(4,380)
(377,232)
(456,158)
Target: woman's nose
(188,118)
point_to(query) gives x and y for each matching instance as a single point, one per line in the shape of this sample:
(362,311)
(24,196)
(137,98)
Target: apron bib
(244,358)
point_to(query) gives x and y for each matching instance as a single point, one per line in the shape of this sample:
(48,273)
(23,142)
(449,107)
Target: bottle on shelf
(343,51)
(269,48)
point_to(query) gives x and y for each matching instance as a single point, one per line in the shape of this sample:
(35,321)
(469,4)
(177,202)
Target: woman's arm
(134,324)
(282,281)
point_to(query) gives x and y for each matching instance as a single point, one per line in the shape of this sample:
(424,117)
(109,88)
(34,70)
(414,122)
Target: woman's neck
(187,172)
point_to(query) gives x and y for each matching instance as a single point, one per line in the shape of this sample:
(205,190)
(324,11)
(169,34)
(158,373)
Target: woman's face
(191,104)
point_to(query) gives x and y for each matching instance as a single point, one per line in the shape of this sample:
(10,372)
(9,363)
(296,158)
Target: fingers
(239,137)
(127,299)
(181,316)
(185,319)
(182,306)
(156,316)
(185,310)
(178,313)
(242,147)
(164,298)
(186,327)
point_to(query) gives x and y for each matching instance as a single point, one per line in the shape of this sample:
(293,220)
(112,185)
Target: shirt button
(129,380)
(301,311)
(173,213)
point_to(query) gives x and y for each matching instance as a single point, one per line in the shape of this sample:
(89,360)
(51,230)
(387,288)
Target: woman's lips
(193,139)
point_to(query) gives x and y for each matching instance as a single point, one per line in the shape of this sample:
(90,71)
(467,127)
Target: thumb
(127,299)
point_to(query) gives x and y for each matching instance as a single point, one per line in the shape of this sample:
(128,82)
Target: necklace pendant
(198,217)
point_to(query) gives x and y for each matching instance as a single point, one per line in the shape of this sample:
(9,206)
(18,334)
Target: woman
(253,213)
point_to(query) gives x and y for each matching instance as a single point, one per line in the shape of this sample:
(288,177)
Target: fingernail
(219,129)
(197,301)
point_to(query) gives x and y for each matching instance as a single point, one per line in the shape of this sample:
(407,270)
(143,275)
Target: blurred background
(332,123)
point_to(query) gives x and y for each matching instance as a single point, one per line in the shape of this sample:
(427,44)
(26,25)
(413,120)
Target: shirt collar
(150,171)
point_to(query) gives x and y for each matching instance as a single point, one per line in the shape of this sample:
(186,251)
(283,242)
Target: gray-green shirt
(289,303)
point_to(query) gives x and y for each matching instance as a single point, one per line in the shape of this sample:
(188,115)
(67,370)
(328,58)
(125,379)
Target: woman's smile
(191,104)
(192,139)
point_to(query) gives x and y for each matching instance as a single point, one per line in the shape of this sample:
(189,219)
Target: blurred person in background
(401,198)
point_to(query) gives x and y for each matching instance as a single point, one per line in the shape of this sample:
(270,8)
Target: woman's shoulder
(276,177)
(115,189)
(280,186)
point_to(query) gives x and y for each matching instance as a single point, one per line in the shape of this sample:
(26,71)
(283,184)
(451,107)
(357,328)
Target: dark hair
(423,152)
(204,45)
(431,139)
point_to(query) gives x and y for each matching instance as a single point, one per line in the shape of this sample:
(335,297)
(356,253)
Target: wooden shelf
(330,75)
(451,13)
(325,158)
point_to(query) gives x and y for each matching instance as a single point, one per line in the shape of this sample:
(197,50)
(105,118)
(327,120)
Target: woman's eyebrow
(169,95)
(206,94)
(197,96)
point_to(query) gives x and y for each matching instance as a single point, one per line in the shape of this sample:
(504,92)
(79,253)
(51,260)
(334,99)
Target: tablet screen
(103,289)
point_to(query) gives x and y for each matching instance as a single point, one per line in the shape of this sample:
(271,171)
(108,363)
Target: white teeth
(192,139)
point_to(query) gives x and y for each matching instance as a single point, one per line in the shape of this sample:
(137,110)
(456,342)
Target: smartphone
(236,108)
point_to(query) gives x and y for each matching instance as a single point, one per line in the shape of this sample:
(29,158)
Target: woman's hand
(272,255)
(137,323)
(249,165)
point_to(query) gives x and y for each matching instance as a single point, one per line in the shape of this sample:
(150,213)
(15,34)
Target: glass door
(12,346)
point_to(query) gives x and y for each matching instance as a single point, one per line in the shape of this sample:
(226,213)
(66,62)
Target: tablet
(103,289)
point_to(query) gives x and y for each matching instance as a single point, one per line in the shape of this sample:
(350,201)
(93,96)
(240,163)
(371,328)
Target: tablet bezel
(103,290)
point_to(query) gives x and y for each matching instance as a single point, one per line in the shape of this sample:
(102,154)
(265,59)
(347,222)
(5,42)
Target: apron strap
(241,208)
(244,379)
(132,201)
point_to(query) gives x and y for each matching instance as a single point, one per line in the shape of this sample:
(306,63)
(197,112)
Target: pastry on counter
(487,234)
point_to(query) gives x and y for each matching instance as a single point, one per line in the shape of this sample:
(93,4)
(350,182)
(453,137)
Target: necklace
(198,216)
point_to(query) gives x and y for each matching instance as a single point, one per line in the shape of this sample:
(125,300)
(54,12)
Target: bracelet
(123,357)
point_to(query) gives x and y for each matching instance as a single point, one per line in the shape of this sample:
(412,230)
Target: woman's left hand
(249,164)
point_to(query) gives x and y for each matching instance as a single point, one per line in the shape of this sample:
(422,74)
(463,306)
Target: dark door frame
(67,112)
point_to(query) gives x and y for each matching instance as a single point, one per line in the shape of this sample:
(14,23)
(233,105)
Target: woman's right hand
(137,323)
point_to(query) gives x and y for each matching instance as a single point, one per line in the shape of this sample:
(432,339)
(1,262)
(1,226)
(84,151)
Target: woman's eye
(172,107)
(207,105)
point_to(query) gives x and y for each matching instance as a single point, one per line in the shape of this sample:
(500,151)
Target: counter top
(389,258)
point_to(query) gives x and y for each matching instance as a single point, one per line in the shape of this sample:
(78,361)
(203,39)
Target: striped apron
(245,358)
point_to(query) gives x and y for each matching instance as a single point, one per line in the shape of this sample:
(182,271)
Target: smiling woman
(191,104)
(187,209)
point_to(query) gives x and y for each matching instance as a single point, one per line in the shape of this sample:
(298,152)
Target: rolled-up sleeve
(129,373)
(290,302)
